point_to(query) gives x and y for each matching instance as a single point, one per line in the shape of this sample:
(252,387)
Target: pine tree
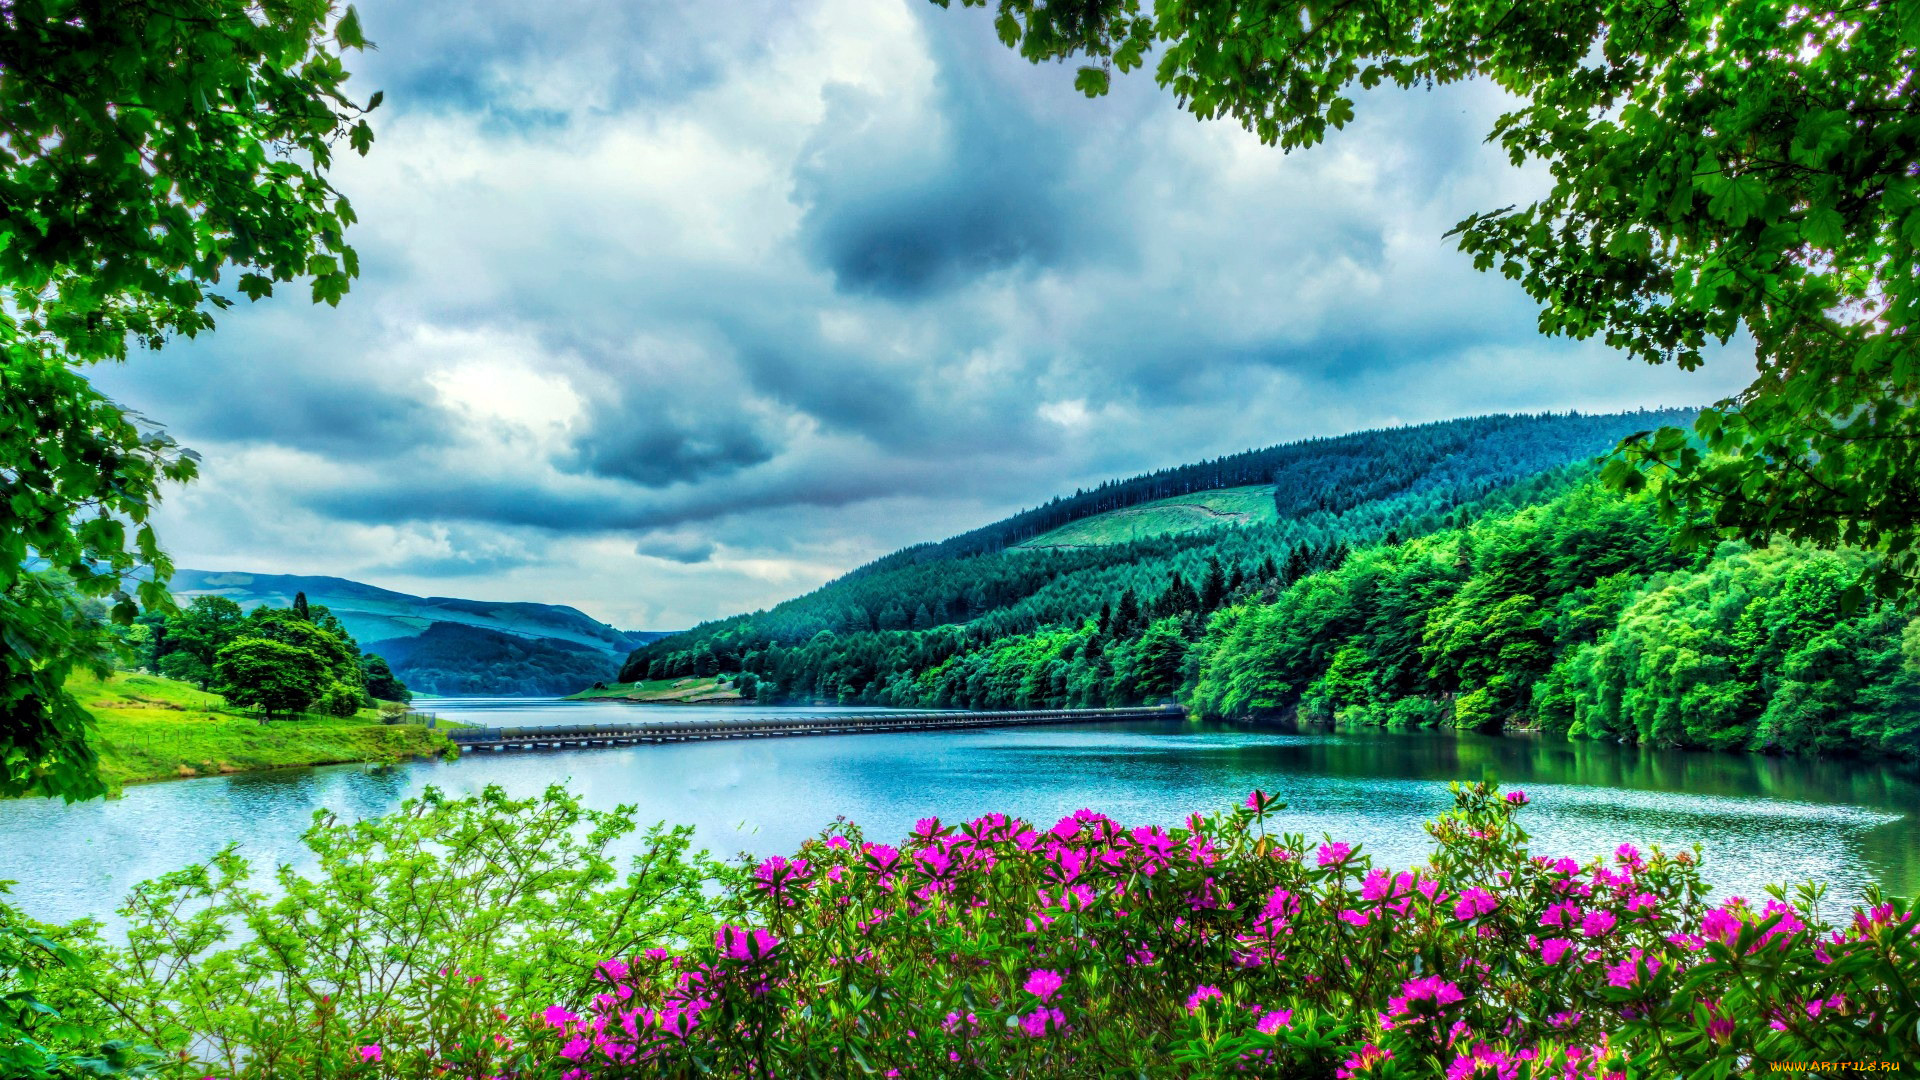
(300,606)
(1126,614)
(1213,589)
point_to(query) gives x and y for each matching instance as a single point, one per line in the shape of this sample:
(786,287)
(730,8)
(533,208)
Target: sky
(671,309)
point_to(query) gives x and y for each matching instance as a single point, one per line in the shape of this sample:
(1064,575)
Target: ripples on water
(1760,819)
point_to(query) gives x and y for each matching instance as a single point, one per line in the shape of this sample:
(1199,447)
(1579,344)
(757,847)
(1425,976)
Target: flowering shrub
(1092,948)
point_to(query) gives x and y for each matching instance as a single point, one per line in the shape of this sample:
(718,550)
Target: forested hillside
(1481,582)
(1448,461)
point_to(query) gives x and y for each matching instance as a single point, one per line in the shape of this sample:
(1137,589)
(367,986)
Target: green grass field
(151,728)
(1179,514)
(708,689)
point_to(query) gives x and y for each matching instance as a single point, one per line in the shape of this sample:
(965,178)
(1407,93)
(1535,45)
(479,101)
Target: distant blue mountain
(442,644)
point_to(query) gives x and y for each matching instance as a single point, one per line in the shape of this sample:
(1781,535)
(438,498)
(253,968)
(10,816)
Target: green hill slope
(445,645)
(1058,564)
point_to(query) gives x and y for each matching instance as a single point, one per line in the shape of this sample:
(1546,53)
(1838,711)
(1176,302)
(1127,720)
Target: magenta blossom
(1201,995)
(1627,972)
(1473,903)
(1362,1063)
(738,943)
(1037,1023)
(370,1052)
(1517,798)
(1334,854)
(1272,1022)
(1423,998)
(1043,984)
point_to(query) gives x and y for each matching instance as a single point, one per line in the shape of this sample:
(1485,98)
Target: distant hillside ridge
(1255,521)
(455,660)
(1330,473)
(557,641)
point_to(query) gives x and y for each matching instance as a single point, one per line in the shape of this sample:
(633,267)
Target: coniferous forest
(1468,574)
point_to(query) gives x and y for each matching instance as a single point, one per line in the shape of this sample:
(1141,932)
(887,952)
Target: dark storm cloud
(901,221)
(655,447)
(986,183)
(676,548)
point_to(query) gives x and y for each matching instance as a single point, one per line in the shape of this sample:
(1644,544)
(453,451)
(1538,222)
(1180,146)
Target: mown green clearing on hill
(1178,514)
(690,690)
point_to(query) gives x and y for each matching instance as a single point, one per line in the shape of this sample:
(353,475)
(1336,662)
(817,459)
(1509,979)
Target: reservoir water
(1759,819)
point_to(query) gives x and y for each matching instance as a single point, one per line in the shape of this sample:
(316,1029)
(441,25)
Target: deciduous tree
(271,676)
(158,158)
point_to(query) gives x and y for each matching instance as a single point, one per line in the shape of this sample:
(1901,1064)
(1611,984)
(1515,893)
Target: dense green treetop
(1717,165)
(271,675)
(148,149)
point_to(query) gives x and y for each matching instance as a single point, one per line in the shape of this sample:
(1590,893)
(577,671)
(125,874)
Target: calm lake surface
(1760,819)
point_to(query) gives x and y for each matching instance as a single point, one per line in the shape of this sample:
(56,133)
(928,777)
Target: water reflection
(1761,819)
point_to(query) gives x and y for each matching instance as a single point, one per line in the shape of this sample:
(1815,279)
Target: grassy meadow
(152,728)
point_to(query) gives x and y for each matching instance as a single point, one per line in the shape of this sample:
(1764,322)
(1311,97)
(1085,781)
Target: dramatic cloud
(673,309)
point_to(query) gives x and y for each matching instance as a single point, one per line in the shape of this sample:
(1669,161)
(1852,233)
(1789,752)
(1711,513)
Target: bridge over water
(763,727)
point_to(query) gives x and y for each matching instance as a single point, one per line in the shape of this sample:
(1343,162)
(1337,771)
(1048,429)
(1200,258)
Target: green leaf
(1823,227)
(348,32)
(1738,200)
(1091,81)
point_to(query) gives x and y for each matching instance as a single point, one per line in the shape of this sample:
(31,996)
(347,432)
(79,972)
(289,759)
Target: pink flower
(1201,995)
(1597,923)
(557,1016)
(1473,903)
(1363,1062)
(370,1052)
(1036,1023)
(1627,972)
(1355,918)
(1334,854)
(1423,998)
(1560,914)
(1272,1022)
(738,943)
(1517,798)
(1553,950)
(1043,984)
(1377,885)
